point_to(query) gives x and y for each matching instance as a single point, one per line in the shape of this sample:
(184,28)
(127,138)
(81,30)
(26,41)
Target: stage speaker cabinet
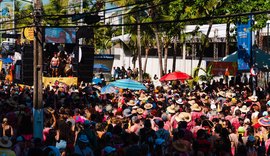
(85,66)
(27,65)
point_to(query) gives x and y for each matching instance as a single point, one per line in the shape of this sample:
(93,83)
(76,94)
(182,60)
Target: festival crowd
(210,119)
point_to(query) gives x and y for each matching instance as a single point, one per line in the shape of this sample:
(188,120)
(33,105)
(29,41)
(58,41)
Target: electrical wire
(100,11)
(141,9)
(180,21)
(157,22)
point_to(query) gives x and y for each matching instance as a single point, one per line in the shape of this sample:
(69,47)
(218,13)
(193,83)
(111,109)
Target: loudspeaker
(85,66)
(27,65)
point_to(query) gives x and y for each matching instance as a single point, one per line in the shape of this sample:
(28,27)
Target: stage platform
(64,80)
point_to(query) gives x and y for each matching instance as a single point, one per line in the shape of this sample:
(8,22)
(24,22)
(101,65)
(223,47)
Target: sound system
(85,66)
(27,65)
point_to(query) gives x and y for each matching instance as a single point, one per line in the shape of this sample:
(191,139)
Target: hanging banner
(244,46)
(7,13)
(63,80)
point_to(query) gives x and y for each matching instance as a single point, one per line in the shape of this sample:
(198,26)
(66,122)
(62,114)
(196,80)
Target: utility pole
(38,63)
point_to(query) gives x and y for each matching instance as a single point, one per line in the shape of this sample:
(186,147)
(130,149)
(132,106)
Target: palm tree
(147,42)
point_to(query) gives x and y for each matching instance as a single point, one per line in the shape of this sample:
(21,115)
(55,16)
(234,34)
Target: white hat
(247,121)
(244,109)
(213,106)
(253,98)
(179,101)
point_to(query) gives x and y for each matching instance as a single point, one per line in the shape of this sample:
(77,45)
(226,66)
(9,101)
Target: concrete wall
(153,65)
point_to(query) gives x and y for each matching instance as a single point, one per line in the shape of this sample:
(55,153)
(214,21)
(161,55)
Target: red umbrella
(175,76)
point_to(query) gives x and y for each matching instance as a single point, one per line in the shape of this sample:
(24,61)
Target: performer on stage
(55,62)
(68,68)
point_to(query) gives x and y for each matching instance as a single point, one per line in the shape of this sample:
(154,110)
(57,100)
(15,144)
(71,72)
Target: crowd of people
(214,118)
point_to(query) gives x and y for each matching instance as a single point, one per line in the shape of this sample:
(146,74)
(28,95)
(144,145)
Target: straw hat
(191,102)
(196,107)
(131,103)
(5,142)
(253,98)
(133,111)
(244,109)
(171,109)
(221,93)
(143,97)
(183,116)
(181,145)
(148,106)
(140,110)
(229,95)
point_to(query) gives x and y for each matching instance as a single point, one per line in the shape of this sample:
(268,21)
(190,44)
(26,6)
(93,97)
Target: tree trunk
(139,50)
(227,51)
(159,52)
(134,59)
(166,57)
(201,54)
(174,53)
(146,58)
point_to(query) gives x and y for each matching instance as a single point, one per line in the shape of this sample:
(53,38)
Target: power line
(179,21)
(157,22)
(15,19)
(142,9)
(100,11)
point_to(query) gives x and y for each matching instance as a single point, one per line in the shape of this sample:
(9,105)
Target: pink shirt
(267,143)
(195,115)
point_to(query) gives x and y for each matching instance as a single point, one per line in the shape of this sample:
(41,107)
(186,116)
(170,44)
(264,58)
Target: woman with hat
(196,111)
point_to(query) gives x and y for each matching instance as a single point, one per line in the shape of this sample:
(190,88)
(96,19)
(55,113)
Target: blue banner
(244,39)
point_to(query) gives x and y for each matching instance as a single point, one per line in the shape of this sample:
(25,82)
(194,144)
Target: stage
(64,80)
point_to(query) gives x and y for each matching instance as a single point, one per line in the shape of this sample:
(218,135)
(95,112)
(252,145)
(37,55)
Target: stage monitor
(60,35)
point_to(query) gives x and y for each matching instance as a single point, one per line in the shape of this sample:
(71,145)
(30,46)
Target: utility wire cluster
(127,13)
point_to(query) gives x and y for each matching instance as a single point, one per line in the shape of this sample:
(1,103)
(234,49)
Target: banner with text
(244,45)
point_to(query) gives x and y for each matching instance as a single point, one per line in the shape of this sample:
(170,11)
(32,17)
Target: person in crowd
(54,65)
(210,119)
(7,128)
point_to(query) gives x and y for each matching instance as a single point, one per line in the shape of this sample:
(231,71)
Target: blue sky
(45,2)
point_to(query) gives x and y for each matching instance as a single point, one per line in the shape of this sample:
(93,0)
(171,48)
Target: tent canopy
(262,59)
(128,84)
